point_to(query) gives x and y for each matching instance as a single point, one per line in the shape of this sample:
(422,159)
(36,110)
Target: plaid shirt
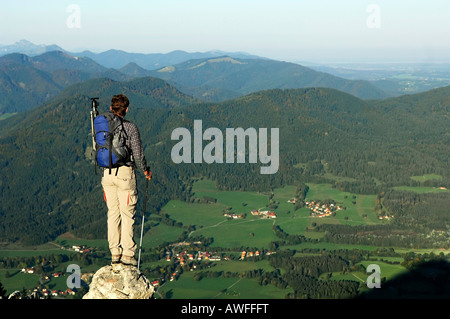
(135,145)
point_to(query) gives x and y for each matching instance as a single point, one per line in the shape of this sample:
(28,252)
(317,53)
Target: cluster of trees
(302,275)
(47,263)
(306,287)
(285,238)
(382,236)
(420,220)
(21,262)
(312,266)
(416,210)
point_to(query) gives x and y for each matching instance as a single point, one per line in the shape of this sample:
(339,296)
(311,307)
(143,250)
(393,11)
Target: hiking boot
(115,259)
(129,261)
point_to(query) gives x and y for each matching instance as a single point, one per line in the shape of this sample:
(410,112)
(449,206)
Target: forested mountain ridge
(143,93)
(151,61)
(243,76)
(50,184)
(26,47)
(27,81)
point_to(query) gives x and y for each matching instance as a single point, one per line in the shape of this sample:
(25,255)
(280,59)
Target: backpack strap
(110,157)
(111,130)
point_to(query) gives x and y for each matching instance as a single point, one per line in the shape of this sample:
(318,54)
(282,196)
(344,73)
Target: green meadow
(254,231)
(186,287)
(422,189)
(359,208)
(427,177)
(6,116)
(238,201)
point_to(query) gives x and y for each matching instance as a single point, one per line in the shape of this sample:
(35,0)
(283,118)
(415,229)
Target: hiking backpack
(110,137)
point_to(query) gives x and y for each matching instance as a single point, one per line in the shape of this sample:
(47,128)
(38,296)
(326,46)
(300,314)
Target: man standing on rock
(120,190)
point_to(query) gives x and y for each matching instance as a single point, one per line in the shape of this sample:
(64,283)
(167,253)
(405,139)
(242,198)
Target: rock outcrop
(119,282)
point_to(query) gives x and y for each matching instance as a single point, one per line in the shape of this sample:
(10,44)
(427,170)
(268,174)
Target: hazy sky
(302,30)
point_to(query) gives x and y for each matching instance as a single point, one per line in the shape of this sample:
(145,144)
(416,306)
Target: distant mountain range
(221,78)
(151,61)
(118,58)
(28,48)
(27,80)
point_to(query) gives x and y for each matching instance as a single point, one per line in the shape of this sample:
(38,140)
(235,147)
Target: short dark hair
(119,104)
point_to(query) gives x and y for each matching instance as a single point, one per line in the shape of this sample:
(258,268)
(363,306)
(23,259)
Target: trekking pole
(142,226)
(94,113)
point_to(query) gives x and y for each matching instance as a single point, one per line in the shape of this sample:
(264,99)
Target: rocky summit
(119,282)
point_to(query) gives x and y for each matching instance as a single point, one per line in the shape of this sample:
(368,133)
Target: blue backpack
(110,141)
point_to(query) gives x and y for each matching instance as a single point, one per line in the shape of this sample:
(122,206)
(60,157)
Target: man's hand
(148,174)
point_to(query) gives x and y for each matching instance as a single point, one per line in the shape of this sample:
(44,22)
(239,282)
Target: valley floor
(200,251)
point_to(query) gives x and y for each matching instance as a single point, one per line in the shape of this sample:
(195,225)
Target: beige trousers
(120,194)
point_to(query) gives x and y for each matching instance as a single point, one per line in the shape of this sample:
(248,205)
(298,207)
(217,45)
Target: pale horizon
(323,31)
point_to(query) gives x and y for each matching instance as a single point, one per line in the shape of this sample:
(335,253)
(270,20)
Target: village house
(268,214)
(249,254)
(173,276)
(215,258)
(234,216)
(82,249)
(320,210)
(28,270)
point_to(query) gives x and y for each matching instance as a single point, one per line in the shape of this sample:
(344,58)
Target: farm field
(253,231)
(186,287)
(234,233)
(427,177)
(359,208)
(422,189)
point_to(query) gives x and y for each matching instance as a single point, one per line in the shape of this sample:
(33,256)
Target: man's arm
(135,144)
